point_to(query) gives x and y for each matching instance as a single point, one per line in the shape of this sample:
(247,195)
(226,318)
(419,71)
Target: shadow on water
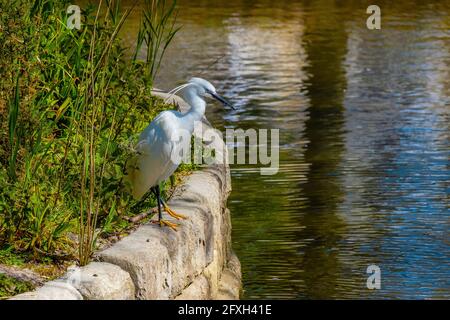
(324,133)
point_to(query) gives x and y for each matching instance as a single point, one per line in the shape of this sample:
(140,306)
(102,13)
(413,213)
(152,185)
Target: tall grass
(157,30)
(90,129)
(13,131)
(71,104)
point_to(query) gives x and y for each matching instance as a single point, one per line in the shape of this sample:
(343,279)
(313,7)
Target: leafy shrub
(71,106)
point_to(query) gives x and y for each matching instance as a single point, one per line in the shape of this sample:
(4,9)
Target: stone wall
(196,262)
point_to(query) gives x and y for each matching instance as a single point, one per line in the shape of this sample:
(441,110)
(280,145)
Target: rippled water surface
(364,121)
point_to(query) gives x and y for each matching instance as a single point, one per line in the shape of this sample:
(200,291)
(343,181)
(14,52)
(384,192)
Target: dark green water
(364,140)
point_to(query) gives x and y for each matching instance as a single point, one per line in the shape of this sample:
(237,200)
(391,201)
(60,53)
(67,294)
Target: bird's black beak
(222,100)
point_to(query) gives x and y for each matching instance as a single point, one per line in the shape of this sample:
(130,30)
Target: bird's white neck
(196,112)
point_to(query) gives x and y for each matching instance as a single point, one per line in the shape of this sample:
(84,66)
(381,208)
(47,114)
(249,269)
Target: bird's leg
(160,221)
(171,212)
(159,203)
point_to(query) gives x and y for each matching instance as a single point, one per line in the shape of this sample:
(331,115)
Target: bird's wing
(152,160)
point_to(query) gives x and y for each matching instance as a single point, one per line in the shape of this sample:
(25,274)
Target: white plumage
(152,163)
(154,160)
(160,145)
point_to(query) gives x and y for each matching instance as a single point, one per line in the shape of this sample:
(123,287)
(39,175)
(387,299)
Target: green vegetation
(10,286)
(71,108)
(156,32)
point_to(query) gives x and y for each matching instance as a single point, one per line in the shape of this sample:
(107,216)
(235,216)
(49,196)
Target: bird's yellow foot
(166,223)
(173,213)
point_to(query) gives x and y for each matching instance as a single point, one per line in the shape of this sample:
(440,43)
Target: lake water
(364,122)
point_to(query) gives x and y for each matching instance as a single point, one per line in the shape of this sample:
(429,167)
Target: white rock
(102,281)
(230,280)
(198,290)
(53,290)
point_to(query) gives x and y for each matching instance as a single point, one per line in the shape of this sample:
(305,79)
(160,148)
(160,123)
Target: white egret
(153,161)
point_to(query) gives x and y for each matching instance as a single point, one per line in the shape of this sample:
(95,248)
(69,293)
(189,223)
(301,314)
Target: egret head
(204,88)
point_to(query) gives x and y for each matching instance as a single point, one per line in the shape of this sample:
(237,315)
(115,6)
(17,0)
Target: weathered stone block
(53,290)
(198,290)
(230,280)
(102,281)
